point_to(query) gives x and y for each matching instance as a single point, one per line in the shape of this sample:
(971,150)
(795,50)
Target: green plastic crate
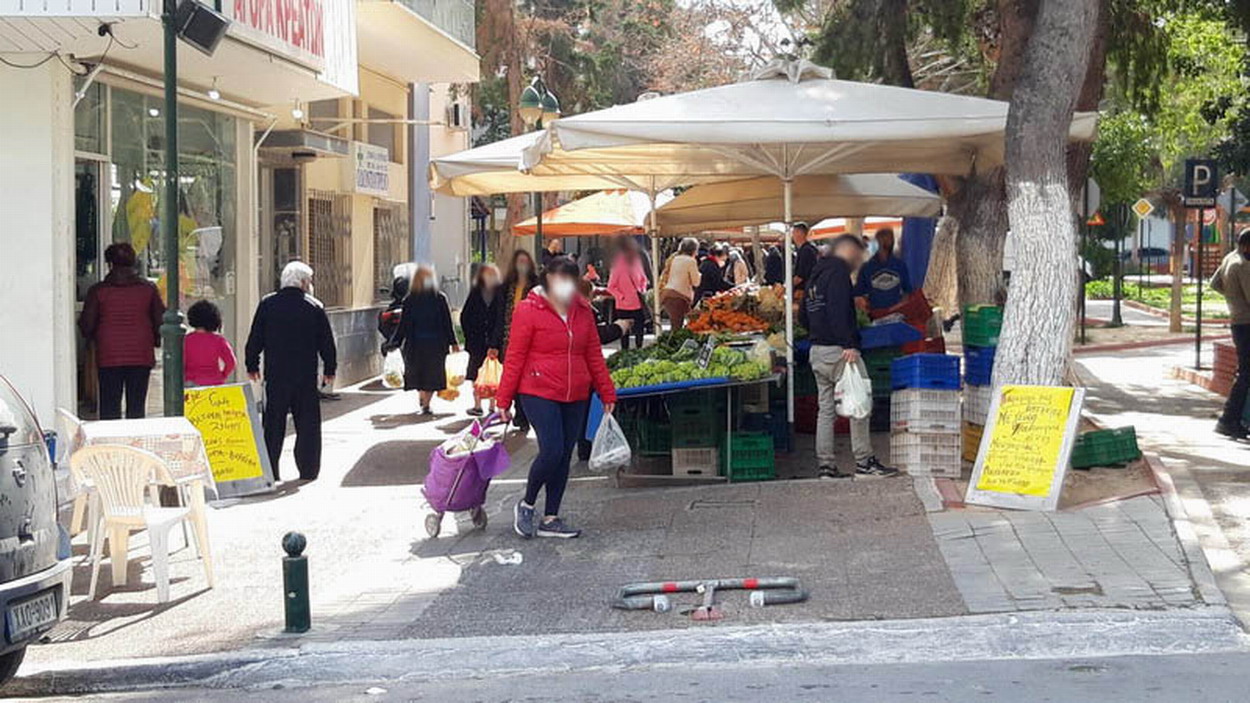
(804,381)
(753,457)
(981,325)
(695,427)
(1105,448)
(655,438)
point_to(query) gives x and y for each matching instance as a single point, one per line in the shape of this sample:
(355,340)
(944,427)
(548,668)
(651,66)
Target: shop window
(391,242)
(383,134)
(324,116)
(330,247)
(207,195)
(89,121)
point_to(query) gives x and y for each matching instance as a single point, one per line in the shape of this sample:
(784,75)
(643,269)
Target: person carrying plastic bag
(553,361)
(425,335)
(828,312)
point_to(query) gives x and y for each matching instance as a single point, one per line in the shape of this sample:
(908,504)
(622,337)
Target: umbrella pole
(786,188)
(655,263)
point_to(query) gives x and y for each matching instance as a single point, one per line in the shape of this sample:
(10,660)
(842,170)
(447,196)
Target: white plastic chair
(69,429)
(122,476)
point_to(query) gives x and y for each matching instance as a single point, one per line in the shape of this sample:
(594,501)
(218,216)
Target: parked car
(34,564)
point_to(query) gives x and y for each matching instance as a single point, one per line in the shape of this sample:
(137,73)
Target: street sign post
(1142,208)
(1201,188)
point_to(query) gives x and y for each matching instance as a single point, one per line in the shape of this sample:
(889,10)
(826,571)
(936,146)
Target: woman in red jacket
(553,361)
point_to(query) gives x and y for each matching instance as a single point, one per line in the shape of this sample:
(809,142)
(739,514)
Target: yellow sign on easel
(226,417)
(1026,447)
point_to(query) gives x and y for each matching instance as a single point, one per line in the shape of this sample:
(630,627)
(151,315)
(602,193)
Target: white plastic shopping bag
(610,449)
(853,393)
(393,369)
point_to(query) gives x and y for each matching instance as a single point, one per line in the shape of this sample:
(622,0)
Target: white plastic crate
(927,453)
(977,403)
(696,461)
(754,397)
(924,410)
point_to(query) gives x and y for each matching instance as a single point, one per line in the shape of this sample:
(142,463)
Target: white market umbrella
(756,201)
(788,120)
(608,212)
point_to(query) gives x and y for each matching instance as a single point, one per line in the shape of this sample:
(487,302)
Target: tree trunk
(1091,94)
(1036,340)
(982,214)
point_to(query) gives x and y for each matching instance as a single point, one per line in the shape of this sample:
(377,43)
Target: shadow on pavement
(396,463)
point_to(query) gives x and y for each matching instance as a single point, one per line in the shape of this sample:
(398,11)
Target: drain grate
(705,504)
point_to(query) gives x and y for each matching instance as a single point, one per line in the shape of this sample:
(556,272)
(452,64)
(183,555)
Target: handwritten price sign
(224,416)
(1025,452)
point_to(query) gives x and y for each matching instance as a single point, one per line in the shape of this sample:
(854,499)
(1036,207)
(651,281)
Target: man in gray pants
(828,313)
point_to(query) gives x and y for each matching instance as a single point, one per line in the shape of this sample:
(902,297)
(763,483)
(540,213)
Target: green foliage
(1123,156)
(1154,296)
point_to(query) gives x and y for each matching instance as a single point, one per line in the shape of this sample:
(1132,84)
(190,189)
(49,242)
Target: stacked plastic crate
(879,362)
(925,415)
(695,426)
(981,326)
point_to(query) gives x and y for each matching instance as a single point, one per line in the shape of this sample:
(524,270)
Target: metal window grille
(330,246)
(391,244)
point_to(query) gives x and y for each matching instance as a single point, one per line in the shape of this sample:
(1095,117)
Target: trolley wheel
(478,516)
(433,524)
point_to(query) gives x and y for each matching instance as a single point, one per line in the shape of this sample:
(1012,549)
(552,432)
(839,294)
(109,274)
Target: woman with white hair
(290,330)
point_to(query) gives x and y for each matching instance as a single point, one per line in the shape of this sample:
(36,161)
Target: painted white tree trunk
(1036,341)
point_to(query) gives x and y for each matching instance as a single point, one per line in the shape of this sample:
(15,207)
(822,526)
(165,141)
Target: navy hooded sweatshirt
(828,310)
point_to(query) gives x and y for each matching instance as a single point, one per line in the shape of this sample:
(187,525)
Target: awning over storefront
(398,42)
(297,142)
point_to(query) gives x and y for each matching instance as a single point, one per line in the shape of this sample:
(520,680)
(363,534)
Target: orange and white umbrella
(608,212)
(834,226)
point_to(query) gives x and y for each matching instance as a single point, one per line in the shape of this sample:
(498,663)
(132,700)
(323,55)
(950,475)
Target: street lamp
(538,106)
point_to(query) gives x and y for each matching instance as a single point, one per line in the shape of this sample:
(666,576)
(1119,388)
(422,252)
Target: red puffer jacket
(553,358)
(122,315)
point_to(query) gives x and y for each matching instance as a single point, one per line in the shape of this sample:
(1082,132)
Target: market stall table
(176,441)
(665,389)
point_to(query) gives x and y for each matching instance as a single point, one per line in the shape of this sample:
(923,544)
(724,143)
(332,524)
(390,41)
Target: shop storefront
(118,172)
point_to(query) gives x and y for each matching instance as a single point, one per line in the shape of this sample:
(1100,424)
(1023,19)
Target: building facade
(296,140)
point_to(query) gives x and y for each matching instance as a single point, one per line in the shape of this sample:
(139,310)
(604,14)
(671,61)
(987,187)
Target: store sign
(293,27)
(369,169)
(1026,447)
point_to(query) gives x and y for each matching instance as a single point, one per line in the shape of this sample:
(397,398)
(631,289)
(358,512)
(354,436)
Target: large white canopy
(496,168)
(755,201)
(790,119)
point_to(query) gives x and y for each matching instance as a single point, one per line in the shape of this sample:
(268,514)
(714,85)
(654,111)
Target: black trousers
(116,381)
(1236,403)
(303,403)
(639,329)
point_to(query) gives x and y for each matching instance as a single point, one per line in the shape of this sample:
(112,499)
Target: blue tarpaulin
(918,232)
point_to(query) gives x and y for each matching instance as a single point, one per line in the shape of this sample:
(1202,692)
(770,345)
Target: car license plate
(31,615)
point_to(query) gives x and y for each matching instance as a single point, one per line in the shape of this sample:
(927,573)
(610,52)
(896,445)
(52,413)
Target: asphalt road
(1212,678)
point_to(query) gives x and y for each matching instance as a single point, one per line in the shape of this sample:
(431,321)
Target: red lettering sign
(300,23)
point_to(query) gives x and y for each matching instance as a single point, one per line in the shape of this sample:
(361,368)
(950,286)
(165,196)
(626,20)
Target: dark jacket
(291,330)
(426,318)
(711,280)
(774,267)
(805,263)
(503,322)
(828,310)
(478,319)
(122,315)
(884,283)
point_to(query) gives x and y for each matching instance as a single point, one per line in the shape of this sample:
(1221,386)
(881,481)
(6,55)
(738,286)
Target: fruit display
(721,320)
(743,309)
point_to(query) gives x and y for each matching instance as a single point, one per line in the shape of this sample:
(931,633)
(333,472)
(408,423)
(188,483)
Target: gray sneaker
(831,473)
(523,519)
(872,468)
(557,528)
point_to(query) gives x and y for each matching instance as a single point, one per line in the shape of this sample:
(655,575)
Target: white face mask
(873,247)
(428,283)
(562,290)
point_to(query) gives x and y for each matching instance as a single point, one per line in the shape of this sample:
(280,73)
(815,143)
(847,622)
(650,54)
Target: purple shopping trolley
(461,470)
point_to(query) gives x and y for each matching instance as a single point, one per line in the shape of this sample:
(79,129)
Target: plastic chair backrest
(121,476)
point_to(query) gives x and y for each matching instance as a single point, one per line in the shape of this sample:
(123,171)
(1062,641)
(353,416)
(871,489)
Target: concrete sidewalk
(1175,420)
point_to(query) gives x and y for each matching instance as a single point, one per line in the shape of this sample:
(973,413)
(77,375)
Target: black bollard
(295,583)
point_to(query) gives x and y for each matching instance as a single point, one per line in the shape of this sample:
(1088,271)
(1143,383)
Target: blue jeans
(1235,406)
(557,426)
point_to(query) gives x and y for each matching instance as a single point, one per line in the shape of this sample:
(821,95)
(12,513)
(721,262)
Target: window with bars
(391,243)
(330,247)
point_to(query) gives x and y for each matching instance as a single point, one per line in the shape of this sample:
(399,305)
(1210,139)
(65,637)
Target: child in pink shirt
(207,358)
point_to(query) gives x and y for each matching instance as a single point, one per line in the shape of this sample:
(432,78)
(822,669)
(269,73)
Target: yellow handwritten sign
(1026,441)
(222,416)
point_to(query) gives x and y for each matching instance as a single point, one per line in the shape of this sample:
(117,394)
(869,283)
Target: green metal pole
(171,326)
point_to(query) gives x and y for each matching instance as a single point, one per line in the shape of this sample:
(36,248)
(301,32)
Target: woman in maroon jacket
(122,316)
(553,361)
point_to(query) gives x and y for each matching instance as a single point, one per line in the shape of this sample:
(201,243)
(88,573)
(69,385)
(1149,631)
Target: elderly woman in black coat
(426,336)
(478,320)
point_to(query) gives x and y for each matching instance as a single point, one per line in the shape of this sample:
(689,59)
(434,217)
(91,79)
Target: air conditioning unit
(457,116)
